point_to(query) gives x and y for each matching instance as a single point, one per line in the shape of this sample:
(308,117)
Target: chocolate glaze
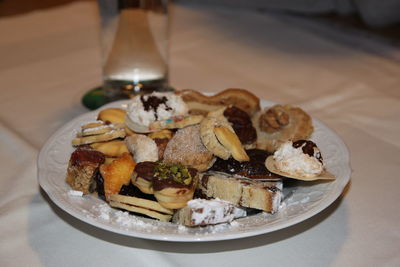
(85,155)
(308,148)
(255,168)
(241,124)
(159,184)
(145,170)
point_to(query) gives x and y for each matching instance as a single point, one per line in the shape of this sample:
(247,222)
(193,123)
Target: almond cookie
(278,124)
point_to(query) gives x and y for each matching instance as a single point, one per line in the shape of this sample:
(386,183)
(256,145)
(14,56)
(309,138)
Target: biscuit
(114,148)
(142,206)
(297,126)
(112,115)
(85,140)
(176,122)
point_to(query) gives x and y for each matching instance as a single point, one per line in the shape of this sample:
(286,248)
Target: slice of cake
(82,168)
(251,193)
(200,212)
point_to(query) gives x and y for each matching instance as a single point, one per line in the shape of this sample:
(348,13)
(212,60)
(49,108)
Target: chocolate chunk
(241,124)
(308,148)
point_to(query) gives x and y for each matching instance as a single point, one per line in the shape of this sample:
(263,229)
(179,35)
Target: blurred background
(374,18)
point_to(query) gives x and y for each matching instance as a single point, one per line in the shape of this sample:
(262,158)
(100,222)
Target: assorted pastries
(194,159)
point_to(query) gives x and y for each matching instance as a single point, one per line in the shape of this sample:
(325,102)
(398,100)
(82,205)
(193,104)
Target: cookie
(278,124)
(186,148)
(114,148)
(176,122)
(112,115)
(142,206)
(85,140)
(219,137)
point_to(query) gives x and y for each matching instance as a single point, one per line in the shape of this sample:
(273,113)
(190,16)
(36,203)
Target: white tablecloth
(50,58)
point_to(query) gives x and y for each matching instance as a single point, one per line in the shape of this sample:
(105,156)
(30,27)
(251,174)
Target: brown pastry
(186,148)
(202,104)
(278,124)
(82,168)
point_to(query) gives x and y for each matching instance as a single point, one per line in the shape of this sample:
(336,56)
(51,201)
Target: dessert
(202,104)
(196,170)
(142,147)
(219,137)
(176,122)
(112,115)
(116,174)
(146,207)
(186,148)
(114,148)
(98,131)
(257,194)
(82,167)
(200,212)
(144,110)
(143,176)
(174,184)
(278,124)
(300,160)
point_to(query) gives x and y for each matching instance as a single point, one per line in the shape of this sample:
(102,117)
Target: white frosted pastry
(142,147)
(291,159)
(205,212)
(145,109)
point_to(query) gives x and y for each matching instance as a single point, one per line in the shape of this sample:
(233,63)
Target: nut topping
(274,119)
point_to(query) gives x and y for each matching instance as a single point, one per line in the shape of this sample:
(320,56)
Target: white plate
(306,200)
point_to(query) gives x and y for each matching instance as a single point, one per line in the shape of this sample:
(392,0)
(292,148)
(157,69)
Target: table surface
(50,58)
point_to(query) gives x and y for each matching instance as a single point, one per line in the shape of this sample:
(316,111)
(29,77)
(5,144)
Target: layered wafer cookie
(98,131)
(142,206)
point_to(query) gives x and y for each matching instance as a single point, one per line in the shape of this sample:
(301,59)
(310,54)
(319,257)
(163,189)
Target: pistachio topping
(174,171)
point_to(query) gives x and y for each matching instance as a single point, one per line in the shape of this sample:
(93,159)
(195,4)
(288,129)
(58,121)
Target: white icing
(213,211)
(173,107)
(294,162)
(142,147)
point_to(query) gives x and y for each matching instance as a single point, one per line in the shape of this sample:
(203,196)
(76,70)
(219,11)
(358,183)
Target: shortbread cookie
(142,206)
(176,122)
(186,148)
(112,115)
(219,137)
(111,135)
(114,148)
(201,212)
(278,124)
(202,104)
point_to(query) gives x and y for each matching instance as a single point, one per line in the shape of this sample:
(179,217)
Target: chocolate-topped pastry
(172,184)
(143,176)
(254,168)
(83,167)
(241,124)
